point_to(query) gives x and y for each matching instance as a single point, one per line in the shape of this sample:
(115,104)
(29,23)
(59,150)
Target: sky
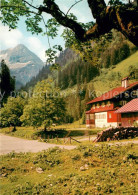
(37,43)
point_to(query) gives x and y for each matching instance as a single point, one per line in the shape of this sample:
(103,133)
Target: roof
(131,106)
(113,93)
(89,112)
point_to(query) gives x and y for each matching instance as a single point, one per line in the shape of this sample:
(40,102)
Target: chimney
(125,82)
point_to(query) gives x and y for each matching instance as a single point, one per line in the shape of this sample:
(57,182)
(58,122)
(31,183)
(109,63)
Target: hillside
(77,95)
(108,79)
(65,57)
(81,80)
(22,63)
(111,77)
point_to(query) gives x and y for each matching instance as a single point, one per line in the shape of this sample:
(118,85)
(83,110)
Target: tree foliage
(44,107)
(11,112)
(113,16)
(7,83)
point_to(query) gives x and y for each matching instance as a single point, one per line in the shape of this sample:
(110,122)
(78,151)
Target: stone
(86,166)
(4,175)
(39,170)
(82,168)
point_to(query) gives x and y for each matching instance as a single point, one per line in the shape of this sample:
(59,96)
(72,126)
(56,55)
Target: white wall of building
(101,119)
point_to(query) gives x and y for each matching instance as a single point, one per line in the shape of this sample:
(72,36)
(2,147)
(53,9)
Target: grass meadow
(86,170)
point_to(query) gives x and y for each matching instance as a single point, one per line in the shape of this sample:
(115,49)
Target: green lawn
(51,135)
(85,170)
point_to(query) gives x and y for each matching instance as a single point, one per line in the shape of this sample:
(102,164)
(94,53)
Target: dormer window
(108,103)
(103,104)
(93,106)
(98,105)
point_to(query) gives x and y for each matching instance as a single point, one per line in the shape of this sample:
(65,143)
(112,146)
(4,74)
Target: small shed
(129,113)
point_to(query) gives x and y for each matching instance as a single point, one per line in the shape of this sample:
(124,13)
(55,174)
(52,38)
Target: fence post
(89,138)
(57,138)
(70,140)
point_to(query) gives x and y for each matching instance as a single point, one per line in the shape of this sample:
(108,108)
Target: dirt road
(9,144)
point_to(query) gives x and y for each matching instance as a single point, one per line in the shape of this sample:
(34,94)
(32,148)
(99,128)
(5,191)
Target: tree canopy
(11,112)
(7,83)
(107,17)
(44,107)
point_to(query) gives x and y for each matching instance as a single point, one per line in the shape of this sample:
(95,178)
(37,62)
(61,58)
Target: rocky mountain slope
(23,63)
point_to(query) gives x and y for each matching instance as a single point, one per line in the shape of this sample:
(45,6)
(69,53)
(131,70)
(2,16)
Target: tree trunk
(45,129)
(14,129)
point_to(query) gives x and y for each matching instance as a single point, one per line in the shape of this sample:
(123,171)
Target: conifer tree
(7,83)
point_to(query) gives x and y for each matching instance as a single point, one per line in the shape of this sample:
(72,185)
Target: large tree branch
(123,18)
(97,7)
(52,8)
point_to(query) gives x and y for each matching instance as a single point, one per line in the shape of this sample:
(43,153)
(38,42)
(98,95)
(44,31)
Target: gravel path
(9,144)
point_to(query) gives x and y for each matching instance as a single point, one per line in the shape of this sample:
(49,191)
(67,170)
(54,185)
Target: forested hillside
(43,74)
(77,96)
(83,76)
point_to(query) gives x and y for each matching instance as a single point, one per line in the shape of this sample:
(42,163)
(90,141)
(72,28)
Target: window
(108,103)
(100,116)
(103,104)
(91,116)
(110,115)
(123,102)
(93,106)
(96,116)
(87,116)
(98,105)
(104,116)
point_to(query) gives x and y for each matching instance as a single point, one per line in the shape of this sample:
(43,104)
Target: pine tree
(7,83)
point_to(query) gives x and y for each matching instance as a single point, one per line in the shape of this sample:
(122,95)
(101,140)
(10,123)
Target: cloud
(36,46)
(8,38)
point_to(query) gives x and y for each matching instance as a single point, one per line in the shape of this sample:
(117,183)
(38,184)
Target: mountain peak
(20,46)
(23,63)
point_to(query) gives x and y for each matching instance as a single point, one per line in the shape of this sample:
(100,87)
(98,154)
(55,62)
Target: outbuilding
(129,113)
